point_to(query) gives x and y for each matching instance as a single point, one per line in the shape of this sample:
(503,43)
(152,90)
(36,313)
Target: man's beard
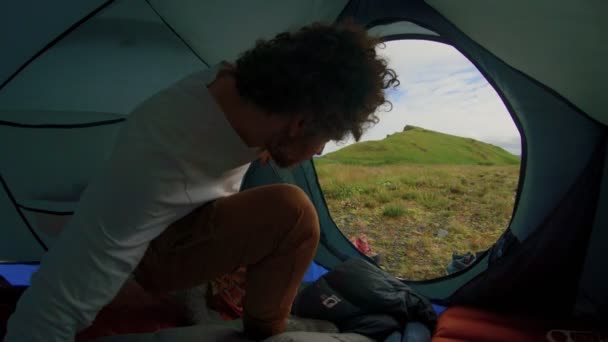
(279,151)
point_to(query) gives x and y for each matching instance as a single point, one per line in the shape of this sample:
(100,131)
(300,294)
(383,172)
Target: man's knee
(292,199)
(288,197)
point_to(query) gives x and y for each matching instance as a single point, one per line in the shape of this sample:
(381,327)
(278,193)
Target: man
(165,207)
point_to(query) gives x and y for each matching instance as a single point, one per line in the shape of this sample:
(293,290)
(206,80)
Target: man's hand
(265,157)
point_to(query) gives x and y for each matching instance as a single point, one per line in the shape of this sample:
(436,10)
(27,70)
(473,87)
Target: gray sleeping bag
(211,333)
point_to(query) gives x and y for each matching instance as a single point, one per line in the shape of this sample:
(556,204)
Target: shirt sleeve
(140,193)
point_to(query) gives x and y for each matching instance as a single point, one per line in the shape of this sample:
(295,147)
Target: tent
(72,70)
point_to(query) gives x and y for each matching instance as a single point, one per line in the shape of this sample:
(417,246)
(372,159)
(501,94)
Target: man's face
(287,151)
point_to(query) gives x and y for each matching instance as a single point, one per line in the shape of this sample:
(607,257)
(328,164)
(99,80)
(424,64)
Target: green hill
(421,146)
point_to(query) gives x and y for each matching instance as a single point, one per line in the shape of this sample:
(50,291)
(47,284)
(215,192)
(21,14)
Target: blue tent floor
(20,274)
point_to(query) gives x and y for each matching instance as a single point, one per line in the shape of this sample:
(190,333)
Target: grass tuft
(393,211)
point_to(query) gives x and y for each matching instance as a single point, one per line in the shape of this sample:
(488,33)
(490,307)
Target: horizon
(403,131)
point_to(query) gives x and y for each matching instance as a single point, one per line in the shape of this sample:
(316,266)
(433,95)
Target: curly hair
(331,73)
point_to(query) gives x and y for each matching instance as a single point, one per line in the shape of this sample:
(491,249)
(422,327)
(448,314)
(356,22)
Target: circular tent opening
(437,175)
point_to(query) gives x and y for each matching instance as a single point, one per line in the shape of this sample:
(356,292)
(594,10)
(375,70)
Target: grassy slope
(403,201)
(421,146)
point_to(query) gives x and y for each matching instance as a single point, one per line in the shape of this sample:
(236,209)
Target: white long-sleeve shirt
(175,152)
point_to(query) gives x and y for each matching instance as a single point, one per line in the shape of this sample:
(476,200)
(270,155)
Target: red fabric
(362,244)
(460,324)
(116,321)
(226,294)
(132,311)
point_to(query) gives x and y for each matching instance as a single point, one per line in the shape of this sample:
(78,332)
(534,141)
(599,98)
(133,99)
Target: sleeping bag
(360,297)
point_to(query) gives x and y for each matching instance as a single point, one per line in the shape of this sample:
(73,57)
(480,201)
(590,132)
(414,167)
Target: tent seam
(25,221)
(61,126)
(55,41)
(177,34)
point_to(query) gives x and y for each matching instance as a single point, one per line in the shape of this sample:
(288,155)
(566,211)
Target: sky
(440,90)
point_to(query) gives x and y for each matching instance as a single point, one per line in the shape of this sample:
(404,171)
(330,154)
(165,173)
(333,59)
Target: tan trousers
(273,230)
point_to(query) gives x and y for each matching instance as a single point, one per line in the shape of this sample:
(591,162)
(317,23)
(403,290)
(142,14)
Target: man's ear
(297,126)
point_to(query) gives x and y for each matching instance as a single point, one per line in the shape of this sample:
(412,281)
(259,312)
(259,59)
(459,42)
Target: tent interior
(72,71)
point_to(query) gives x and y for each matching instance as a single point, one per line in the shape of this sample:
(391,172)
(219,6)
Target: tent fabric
(17,274)
(218,31)
(72,70)
(592,298)
(570,34)
(560,45)
(125,48)
(69,158)
(46,21)
(314,272)
(399,28)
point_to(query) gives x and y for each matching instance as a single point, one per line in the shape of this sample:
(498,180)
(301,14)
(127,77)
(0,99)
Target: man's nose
(320,150)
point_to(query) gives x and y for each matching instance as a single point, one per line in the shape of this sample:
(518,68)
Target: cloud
(441,90)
